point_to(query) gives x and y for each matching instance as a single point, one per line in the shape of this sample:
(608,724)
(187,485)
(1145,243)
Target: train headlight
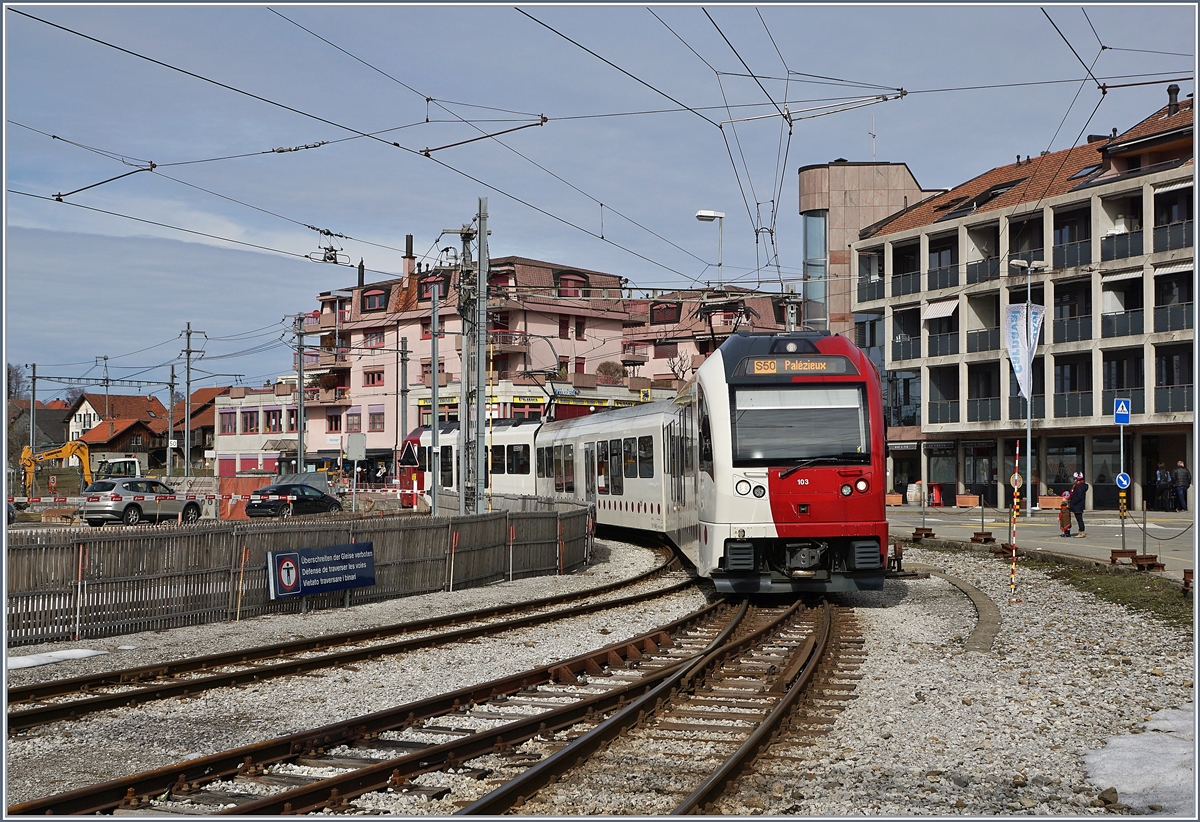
(791,348)
(759,491)
(742,487)
(847,490)
(861,486)
(741,533)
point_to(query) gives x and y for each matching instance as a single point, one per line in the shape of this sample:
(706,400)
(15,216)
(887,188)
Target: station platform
(1167,534)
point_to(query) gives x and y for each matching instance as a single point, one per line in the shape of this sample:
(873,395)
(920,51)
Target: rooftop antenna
(871,134)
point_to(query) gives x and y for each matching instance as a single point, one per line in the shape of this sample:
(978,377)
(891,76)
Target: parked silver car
(131,501)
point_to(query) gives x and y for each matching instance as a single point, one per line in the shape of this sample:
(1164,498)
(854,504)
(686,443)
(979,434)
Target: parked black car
(12,513)
(306,500)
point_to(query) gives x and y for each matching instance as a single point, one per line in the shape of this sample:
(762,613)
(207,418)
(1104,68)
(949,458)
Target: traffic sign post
(1121,409)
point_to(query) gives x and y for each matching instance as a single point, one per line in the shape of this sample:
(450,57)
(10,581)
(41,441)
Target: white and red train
(767,470)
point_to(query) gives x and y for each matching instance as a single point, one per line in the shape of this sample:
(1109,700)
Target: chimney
(362,272)
(409,259)
(1172,100)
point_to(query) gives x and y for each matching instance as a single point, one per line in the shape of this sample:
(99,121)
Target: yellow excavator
(122,467)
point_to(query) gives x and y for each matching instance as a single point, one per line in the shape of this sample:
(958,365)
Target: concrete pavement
(1172,536)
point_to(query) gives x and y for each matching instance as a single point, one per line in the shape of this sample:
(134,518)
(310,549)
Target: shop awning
(935,311)
(280,445)
(1174,268)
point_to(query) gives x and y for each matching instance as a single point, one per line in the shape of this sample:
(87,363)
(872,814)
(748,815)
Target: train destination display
(807,365)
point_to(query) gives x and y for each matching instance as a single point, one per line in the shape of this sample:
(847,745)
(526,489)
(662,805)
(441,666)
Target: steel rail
(59,687)
(137,789)
(32,717)
(807,664)
(543,773)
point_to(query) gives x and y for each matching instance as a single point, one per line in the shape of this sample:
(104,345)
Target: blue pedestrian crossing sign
(1122,480)
(1121,411)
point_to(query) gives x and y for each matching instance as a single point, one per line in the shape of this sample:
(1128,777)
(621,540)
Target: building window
(427,284)
(228,422)
(571,285)
(664,351)
(564,326)
(374,300)
(427,369)
(135,440)
(563,364)
(353,423)
(373,339)
(427,333)
(273,421)
(371,378)
(580,328)
(375,421)
(291,419)
(526,411)
(579,365)
(249,422)
(333,423)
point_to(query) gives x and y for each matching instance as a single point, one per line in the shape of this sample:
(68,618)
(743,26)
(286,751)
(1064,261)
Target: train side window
(630,454)
(518,459)
(497,459)
(447,460)
(569,469)
(645,457)
(616,479)
(558,468)
(602,466)
(705,438)
(422,458)
(541,462)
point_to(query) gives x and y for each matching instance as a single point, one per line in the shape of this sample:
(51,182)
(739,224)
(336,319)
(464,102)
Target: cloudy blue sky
(983,84)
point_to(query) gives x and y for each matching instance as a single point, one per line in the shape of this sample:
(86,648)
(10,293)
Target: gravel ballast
(934,728)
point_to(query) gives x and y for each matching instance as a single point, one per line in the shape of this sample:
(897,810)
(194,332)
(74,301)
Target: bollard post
(1121,498)
(1143,527)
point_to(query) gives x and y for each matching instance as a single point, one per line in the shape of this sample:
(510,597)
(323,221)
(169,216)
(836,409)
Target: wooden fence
(93,582)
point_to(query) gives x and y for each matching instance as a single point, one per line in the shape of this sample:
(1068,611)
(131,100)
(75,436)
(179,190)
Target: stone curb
(988,624)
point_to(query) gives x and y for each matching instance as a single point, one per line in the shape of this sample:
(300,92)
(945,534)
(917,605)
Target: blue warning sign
(308,571)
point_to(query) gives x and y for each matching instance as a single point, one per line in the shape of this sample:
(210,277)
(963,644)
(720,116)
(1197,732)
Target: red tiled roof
(123,406)
(109,430)
(1157,123)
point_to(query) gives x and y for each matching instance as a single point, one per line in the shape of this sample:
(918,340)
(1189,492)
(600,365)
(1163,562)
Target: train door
(589,472)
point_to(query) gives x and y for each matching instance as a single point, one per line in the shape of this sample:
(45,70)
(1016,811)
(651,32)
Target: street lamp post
(708,217)
(1028,268)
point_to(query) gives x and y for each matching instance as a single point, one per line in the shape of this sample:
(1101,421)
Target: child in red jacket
(1064,515)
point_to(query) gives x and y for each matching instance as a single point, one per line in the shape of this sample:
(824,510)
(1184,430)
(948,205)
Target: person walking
(1078,501)
(1181,479)
(1162,488)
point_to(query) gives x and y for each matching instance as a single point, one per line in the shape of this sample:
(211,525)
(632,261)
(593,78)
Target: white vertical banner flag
(1021,349)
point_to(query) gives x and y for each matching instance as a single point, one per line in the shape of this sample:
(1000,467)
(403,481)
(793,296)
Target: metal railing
(1072,255)
(1177,317)
(871,290)
(1073,404)
(983,270)
(942,345)
(1035,255)
(902,415)
(1136,397)
(505,337)
(907,283)
(937,413)
(1016,407)
(1073,329)
(983,409)
(983,339)
(1169,399)
(1173,236)
(1122,323)
(1120,246)
(907,349)
(945,276)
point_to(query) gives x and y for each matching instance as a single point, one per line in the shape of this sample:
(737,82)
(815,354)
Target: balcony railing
(1172,398)
(983,409)
(1073,329)
(1120,246)
(312,394)
(1122,323)
(870,290)
(1136,397)
(332,356)
(908,348)
(311,359)
(508,340)
(312,319)
(1073,404)
(900,415)
(635,353)
(1177,317)
(984,339)
(941,345)
(941,412)
(1016,407)
(1035,255)
(945,276)
(909,283)
(1173,236)
(1072,255)
(983,270)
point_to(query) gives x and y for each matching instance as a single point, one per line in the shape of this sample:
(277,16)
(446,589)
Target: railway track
(72,698)
(741,671)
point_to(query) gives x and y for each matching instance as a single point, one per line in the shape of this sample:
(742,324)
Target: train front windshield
(784,425)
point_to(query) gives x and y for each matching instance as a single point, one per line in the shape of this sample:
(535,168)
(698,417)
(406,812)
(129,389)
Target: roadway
(1167,534)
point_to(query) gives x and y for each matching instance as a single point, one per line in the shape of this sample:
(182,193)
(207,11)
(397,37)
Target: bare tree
(679,367)
(18,382)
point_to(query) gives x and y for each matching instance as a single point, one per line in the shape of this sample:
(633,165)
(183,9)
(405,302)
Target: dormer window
(571,285)
(374,299)
(427,284)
